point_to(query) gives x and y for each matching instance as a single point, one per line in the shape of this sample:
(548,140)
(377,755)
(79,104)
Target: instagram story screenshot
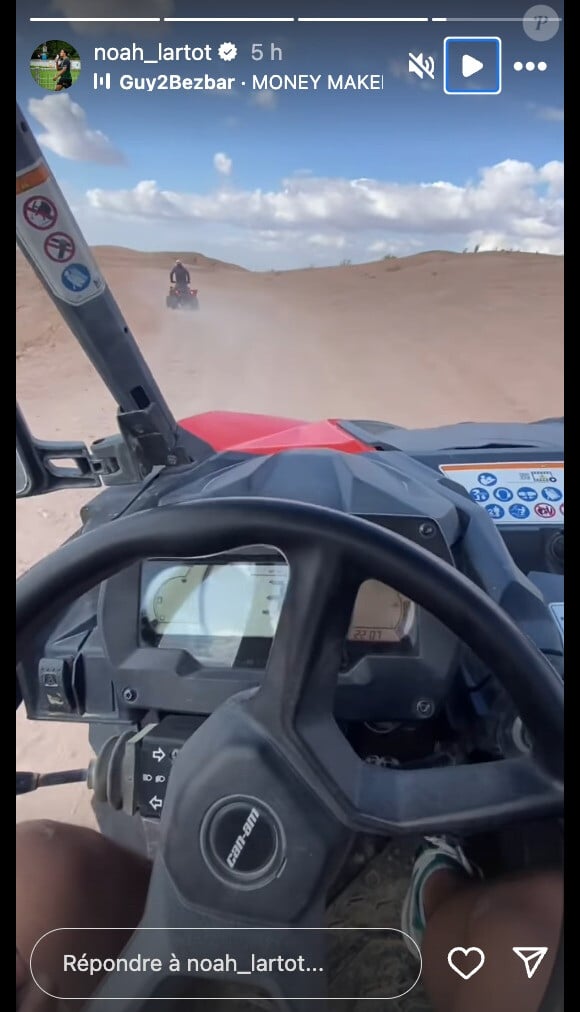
(290,505)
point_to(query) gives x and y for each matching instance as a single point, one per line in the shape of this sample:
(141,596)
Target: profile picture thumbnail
(55,65)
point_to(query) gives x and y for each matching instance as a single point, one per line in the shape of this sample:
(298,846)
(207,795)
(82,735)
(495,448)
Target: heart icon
(470,956)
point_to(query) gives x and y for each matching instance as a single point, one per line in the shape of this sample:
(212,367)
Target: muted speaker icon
(422,65)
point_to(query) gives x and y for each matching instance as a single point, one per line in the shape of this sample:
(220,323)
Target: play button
(470,66)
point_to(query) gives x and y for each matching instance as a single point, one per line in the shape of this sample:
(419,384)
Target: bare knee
(38,834)
(72,875)
(45,847)
(35,832)
(77,853)
(38,842)
(536,899)
(544,896)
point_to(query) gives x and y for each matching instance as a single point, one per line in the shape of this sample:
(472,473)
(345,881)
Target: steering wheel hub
(243,842)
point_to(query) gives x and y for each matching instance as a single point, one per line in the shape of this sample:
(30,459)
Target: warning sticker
(39,212)
(558,613)
(51,238)
(514,493)
(59,247)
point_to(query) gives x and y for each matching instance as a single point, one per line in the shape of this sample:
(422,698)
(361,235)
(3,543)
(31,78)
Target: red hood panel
(260,434)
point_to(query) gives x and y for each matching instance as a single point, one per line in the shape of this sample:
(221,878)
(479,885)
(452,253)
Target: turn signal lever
(27,782)
(130,772)
(132,769)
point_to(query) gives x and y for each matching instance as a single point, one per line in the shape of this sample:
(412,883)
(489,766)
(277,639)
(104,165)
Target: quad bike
(182,297)
(298,647)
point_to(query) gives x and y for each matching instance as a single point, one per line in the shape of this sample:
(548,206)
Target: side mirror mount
(47,466)
(23,479)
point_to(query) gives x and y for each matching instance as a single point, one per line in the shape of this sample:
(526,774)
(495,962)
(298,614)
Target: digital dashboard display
(211,608)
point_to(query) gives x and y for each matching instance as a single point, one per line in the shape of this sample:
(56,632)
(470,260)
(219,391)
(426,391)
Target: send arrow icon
(531,957)
(470,66)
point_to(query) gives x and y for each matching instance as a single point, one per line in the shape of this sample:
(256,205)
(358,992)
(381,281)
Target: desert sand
(426,340)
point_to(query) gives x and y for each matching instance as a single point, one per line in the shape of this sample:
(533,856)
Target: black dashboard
(225,611)
(202,629)
(182,635)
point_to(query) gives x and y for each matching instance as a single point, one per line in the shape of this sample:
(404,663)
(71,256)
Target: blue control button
(472,66)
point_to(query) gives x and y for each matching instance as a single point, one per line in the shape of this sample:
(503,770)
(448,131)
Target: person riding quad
(179,275)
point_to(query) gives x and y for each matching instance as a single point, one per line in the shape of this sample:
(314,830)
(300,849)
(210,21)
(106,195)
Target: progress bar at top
(491,20)
(199,20)
(230,21)
(209,20)
(89,20)
(234,20)
(357,20)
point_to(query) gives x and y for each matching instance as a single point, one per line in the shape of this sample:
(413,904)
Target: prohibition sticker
(40,212)
(59,247)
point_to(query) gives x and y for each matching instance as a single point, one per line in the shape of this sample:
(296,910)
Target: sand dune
(120,255)
(426,340)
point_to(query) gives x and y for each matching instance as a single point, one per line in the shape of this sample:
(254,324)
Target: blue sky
(290,179)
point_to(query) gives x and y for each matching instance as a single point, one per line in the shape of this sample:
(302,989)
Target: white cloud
(552,173)
(222,164)
(110,9)
(378,246)
(271,239)
(548,113)
(265,99)
(327,241)
(396,246)
(67,133)
(513,199)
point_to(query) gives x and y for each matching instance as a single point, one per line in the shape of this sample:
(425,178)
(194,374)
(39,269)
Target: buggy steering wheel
(264,798)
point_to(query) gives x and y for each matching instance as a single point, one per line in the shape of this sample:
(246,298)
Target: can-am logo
(241,840)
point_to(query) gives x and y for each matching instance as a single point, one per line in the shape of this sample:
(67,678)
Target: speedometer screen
(381,614)
(212,608)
